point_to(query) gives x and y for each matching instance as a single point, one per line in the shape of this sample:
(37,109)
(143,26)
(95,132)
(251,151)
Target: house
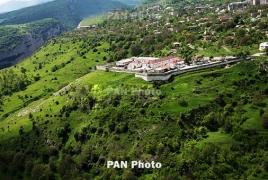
(263,46)
(173,50)
(163,69)
(230,37)
(124,62)
(170,29)
(238,5)
(84,27)
(257,2)
(176,44)
(193,28)
(156,32)
(177,64)
(224,18)
(206,38)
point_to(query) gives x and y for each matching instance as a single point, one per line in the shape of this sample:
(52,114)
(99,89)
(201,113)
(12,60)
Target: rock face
(29,44)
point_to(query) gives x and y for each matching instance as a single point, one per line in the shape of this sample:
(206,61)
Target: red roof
(176,61)
(161,59)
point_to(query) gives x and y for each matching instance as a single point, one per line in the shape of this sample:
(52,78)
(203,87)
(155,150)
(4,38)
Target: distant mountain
(69,12)
(19,4)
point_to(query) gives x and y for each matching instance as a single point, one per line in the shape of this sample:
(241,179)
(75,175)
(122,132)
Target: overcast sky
(4,1)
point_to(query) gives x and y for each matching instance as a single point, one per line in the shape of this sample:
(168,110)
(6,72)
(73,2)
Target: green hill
(69,12)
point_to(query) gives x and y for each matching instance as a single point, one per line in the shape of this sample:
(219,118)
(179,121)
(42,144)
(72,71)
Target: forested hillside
(20,41)
(69,12)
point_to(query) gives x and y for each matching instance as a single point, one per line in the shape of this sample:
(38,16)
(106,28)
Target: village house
(176,44)
(173,50)
(224,18)
(238,5)
(84,27)
(123,63)
(263,46)
(206,38)
(156,32)
(193,28)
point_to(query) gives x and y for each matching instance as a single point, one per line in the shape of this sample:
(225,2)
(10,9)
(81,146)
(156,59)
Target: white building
(238,5)
(263,46)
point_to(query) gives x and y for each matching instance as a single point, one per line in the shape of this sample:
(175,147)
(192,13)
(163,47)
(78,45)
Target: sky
(4,1)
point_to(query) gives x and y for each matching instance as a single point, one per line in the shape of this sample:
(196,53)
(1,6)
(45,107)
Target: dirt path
(31,109)
(257,54)
(227,49)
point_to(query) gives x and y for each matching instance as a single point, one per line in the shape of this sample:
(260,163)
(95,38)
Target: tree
(135,50)
(37,171)
(28,167)
(120,54)
(21,130)
(257,98)
(262,25)
(230,24)
(30,116)
(245,40)
(148,40)
(240,33)
(264,119)
(182,102)
(236,18)
(129,175)
(23,70)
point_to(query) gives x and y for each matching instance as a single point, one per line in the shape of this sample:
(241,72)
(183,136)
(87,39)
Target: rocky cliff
(28,44)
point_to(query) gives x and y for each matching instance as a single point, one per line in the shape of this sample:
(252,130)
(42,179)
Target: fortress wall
(166,75)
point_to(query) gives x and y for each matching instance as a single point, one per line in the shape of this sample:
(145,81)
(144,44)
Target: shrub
(182,102)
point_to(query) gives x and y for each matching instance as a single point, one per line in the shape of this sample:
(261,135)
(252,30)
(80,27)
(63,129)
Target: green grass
(93,20)
(254,120)
(218,138)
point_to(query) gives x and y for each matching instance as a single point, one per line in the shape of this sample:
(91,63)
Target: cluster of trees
(11,82)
